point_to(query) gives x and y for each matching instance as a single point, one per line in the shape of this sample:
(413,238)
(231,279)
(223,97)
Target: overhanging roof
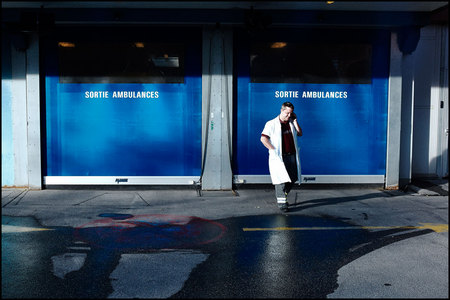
(362,14)
(392,6)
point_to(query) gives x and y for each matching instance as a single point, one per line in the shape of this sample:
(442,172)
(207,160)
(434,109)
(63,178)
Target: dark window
(283,62)
(121,62)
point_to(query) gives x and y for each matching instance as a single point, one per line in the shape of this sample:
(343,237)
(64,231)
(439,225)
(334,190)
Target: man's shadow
(296,204)
(283,263)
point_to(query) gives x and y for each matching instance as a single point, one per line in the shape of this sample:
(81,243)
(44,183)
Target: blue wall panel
(115,135)
(341,136)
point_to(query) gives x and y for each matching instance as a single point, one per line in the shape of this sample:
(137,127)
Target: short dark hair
(287,104)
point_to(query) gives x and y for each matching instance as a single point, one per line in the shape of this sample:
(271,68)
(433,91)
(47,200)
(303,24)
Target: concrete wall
(430,99)
(21,130)
(424,107)
(7,131)
(417,138)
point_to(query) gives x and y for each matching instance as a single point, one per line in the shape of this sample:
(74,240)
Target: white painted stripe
(80,242)
(79,248)
(159,279)
(67,262)
(12,228)
(281,200)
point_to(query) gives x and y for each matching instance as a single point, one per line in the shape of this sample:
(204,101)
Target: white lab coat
(278,172)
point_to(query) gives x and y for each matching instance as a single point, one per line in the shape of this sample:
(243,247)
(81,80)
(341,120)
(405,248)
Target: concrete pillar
(33,110)
(394,116)
(407,118)
(26,127)
(217,108)
(19,116)
(7,134)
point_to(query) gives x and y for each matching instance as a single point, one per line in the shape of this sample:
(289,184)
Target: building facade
(177,93)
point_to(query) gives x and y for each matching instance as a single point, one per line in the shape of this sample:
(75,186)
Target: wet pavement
(345,243)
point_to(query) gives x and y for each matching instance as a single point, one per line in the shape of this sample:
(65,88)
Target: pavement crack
(148,204)
(24,192)
(89,199)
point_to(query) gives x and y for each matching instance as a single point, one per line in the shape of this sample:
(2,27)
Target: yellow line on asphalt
(434,227)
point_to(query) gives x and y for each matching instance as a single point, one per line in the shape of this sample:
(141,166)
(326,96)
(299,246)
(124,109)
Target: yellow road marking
(11,228)
(434,227)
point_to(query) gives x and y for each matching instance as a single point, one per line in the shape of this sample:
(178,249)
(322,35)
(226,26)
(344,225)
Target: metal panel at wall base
(316,179)
(120,180)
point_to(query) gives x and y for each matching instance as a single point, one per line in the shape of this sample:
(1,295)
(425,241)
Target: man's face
(285,113)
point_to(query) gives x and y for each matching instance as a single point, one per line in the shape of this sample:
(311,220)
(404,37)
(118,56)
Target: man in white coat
(280,137)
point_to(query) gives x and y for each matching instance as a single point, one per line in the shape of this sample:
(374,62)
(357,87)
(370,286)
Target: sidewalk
(74,207)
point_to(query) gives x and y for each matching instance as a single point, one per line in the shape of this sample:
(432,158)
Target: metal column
(217,109)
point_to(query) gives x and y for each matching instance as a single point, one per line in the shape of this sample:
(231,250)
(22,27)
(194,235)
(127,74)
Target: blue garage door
(123,102)
(338,83)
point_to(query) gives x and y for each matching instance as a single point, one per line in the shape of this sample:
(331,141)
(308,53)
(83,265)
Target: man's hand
(266,142)
(296,126)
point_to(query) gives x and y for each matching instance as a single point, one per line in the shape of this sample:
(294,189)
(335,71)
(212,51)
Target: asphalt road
(333,244)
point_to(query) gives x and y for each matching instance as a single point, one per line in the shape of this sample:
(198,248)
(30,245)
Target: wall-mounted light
(66,45)
(330,2)
(139,45)
(278,45)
